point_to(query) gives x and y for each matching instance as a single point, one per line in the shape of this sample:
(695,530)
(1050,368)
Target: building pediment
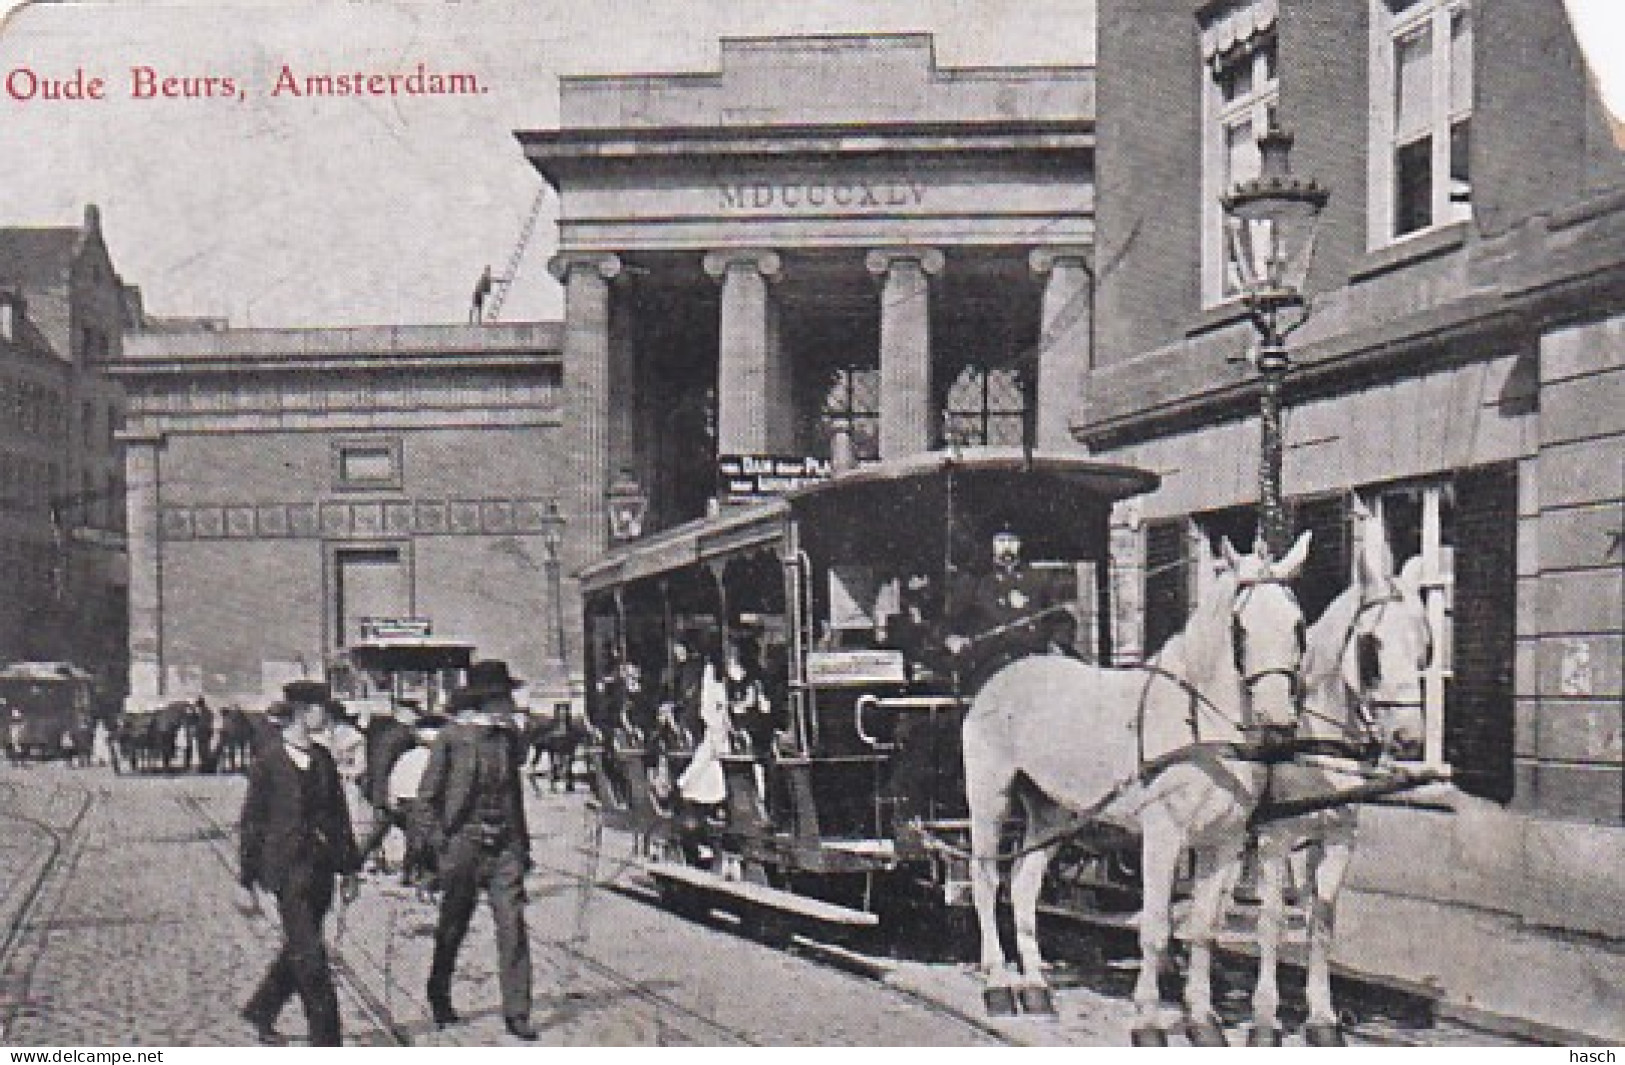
(821,141)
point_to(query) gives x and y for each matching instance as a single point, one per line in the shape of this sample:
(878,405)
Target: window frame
(342,448)
(1388,27)
(1219,116)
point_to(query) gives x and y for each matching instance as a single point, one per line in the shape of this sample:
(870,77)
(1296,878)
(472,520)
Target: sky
(301,212)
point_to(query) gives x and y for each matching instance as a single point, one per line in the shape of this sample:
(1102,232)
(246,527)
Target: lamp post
(1270,222)
(553,543)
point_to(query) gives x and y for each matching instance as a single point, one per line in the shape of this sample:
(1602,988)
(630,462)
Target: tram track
(569,959)
(829,955)
(29,921)
(1437,1022)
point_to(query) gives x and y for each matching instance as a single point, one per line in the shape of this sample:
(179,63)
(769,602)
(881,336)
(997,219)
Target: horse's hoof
(1323,1034)
(1264,1037)
(999,1001)
(1148,1037)
(1036,1001)
(1205,1034)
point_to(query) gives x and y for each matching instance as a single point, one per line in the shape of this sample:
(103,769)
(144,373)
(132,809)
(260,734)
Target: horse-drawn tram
(41,704)
(398,663)
(811,706)
(778,713)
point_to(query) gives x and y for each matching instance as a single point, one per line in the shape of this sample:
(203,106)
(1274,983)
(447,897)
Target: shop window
(362,464)
(1421,111)
(1240,98)
(1464,529)
(1167,582)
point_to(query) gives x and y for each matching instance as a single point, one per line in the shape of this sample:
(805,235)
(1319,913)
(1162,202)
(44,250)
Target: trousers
(302,964)
(465,868)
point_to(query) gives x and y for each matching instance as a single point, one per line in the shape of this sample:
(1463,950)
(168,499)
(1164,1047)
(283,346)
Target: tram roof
(44,671)
(988,480)
(411,653)
(1106,481)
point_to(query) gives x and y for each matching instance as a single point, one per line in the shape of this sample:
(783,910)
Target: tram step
(762,896)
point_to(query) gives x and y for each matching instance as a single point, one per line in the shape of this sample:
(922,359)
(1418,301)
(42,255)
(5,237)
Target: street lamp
(553,544)
(1270,222)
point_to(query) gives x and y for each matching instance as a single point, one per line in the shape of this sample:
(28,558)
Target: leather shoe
(265,1031)
(521,1028)
(444,1015)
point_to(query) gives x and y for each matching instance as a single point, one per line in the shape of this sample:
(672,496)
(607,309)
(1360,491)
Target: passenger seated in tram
(750,715)
(916,630)
(679,715)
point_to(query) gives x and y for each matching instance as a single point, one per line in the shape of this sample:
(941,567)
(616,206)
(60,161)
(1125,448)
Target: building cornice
(1548,271)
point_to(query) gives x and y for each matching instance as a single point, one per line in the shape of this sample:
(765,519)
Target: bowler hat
(491,676)
(309,692)
(485,679)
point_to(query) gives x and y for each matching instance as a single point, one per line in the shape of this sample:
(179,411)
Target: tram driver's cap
(307,692)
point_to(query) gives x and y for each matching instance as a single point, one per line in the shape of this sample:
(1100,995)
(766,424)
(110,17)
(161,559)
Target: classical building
(63,313)
(1462,369)
(826,237)
(286,484)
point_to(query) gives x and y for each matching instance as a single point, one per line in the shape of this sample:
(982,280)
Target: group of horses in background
(1185,750)
(181,736)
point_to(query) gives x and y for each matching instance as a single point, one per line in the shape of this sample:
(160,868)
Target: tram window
(859,599)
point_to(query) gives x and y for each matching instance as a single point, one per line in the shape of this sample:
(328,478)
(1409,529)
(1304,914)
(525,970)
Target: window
(367,463)
(987,406)
(1240,101)
(1422,86)
(852,402)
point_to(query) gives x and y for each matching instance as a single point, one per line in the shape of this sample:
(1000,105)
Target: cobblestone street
(120,929)
(132,939)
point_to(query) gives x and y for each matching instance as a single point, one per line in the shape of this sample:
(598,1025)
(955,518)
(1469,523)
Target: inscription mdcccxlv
(854,194)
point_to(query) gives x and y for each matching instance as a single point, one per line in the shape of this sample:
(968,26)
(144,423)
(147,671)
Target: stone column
(907,410)
(141,502)
(755,412)
(1066,340)
(589,402)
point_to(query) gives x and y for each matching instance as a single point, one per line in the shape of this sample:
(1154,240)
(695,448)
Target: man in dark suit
(1005,613)
(472,798)
(296,838)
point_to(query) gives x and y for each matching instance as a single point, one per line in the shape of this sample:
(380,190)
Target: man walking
(475,810)
(296,838)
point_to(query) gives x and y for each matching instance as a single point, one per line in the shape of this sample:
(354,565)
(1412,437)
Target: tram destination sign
(747,478)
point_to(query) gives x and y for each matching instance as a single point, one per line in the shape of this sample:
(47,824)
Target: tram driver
(1004,613)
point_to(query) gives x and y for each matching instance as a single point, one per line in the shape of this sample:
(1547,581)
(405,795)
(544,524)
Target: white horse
(1363,686)
(1154,748)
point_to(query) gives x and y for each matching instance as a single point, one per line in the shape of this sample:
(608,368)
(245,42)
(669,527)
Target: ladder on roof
(501,284)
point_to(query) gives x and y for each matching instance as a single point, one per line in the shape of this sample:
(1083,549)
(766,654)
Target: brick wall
(1325,85)
(1534,119)
(1572,704)
(1148,177)
(237,607)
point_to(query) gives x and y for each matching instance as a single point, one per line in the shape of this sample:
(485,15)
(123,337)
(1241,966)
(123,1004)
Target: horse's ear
(1376,561)
(1410,575)
(1289,566)
(1229,555)
(1357,508)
